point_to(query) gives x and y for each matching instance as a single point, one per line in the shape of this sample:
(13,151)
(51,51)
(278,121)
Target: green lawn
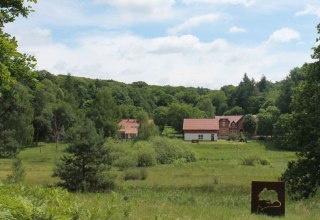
(217,186)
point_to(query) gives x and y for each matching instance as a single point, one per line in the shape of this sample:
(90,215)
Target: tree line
(49,108)
(39,106)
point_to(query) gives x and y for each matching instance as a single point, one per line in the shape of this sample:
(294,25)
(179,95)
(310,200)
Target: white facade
(200,136)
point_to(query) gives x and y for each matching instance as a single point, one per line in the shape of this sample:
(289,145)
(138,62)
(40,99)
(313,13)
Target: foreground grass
(38,163)
(217,186)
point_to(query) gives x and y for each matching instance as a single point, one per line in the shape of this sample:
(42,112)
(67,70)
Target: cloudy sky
(205,43)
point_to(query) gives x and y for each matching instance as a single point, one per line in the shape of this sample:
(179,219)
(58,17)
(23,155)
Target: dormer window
(223,123)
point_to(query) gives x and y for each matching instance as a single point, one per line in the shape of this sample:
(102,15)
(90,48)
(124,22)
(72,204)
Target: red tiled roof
(231,118)
(200,124)
(129,126)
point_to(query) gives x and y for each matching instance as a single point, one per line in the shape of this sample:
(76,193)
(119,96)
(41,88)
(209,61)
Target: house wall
(189,136)
(224,127)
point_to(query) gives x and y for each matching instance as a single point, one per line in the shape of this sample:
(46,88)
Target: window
(200,136)
(223,123)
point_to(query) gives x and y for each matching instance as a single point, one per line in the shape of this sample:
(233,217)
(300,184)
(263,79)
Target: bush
(255,160)
(168,150)
(242,138)
(135,174)
(189,155)
(115,150)
(233,137)
(146,158)
(18,172)
(126,162)
(145,154)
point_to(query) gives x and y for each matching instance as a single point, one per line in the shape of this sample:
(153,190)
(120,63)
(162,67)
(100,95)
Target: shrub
(146,158)
(242,138)
(115,150)
(233,137)
(168,150)
(18,172)
(189,155)
(135,174)
(143,174)
(255,160)
(126,162)
(145,154)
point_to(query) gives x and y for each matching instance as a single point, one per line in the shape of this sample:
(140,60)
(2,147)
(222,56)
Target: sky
(199,43)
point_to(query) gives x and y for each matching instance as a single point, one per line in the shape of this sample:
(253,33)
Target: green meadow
(217,186)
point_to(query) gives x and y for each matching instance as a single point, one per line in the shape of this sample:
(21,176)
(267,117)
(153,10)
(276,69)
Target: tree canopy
(303,176)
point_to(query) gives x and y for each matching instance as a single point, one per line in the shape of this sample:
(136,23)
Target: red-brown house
(128,128)
(211,129)
(230,124)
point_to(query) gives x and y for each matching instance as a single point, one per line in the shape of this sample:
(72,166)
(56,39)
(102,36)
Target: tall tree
(104,112)
(303,176)
(249,125)
(234,111)
(44,96)
(219,101)
(205,105)
(288,85)
(61,117)
(245,90)
(160,117)
(282,135)
(178,112)
(147,127)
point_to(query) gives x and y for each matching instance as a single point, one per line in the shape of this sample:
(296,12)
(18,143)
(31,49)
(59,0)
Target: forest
(50,108)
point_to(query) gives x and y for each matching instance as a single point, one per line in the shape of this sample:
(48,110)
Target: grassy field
(217,186)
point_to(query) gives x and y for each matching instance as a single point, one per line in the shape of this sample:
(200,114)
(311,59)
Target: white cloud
(236,30)
(284,35)
(194,22)
(175,60)
(156,9)
(309,10)
(246,3)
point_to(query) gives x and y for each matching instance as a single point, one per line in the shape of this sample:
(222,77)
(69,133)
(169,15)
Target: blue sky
(205,43)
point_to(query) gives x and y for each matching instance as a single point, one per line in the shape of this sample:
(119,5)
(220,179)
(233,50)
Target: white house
(200,129)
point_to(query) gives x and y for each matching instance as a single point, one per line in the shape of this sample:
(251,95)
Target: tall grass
(216,186)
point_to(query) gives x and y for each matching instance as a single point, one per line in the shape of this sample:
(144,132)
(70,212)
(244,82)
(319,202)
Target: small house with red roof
(129,129)
(211,129)
(200,129)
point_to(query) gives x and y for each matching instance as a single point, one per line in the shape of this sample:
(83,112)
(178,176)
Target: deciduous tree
(303,176)
(249,125)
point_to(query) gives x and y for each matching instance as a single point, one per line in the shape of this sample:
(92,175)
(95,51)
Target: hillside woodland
(50,108)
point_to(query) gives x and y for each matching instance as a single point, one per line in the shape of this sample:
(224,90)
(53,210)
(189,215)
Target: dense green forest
(50,108)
